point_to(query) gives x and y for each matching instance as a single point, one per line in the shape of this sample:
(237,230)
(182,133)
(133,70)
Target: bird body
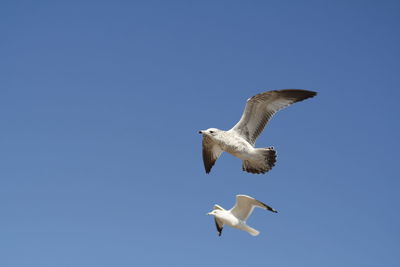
(240,140)
(237,216)
(226,217)
(232,143)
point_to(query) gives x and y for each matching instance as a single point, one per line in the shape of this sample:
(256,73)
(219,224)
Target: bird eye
(211,131)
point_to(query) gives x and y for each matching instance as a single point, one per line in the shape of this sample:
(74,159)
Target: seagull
(236,217)
(241,139)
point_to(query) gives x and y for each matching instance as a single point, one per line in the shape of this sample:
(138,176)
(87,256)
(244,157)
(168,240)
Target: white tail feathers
(250,230)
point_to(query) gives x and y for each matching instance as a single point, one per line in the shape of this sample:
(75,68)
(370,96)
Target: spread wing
(244,207)
(219,226)
(260,109)
(211,152)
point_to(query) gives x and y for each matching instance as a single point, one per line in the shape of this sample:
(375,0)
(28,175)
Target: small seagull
(241,139)
(237,216)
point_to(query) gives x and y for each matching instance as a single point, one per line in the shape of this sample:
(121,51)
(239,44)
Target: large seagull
(240,140)
(236,217)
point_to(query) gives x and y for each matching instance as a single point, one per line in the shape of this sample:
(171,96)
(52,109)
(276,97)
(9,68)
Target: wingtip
(313,93)
(207,170)
(272,209)
(306,94)
(300,94)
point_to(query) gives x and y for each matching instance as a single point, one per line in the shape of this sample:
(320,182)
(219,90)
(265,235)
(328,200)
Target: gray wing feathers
(211,153)
(260,109)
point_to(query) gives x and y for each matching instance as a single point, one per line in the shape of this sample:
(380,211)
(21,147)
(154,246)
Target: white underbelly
(237,146)
(231,221)
(241,151)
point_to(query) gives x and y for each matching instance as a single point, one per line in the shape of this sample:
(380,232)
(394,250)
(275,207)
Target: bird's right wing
(211,152)
(244,207)
(260,109)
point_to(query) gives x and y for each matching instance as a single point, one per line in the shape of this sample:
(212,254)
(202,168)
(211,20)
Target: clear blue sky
(101,101)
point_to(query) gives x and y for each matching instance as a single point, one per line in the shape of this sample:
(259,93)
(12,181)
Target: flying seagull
(241,139)
(236,217)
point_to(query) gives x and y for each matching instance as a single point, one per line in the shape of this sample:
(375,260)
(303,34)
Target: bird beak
(208,213)
(200,132)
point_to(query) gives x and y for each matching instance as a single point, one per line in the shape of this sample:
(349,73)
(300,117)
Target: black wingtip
(309,94)
(312,93)
(268,207)
(272,210)
(298,94)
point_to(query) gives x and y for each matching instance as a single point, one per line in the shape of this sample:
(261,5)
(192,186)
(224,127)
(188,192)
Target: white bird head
(214,212)
(211,213)
(210,132)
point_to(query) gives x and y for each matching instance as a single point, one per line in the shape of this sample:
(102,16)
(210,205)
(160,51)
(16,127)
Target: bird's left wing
(244,207)
(211,152)
(260,109)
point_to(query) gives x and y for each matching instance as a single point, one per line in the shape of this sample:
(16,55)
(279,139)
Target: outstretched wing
(244,207)
(211,152)
(260,109)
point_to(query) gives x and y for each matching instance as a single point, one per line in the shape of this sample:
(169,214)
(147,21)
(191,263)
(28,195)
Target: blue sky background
(101,101)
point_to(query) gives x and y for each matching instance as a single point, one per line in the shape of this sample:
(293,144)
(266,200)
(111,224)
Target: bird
(236,217)
(240,140)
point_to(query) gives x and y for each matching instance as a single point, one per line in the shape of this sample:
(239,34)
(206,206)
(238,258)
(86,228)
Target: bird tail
(264,163)
(250,230)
